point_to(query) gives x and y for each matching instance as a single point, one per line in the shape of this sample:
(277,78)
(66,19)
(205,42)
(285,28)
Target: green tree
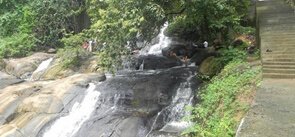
(119,22)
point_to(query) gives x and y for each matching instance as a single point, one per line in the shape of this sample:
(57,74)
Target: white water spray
(174,122)
(67,126)
(164,42)
(40,70)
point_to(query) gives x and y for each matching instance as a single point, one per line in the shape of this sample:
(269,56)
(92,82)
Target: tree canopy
(114,24)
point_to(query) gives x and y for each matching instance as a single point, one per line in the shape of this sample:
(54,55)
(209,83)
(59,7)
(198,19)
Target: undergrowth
(72,56)
(224,100)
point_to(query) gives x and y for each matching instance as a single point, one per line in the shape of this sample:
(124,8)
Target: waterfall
(41,69)
(68,125)
(174,113)
(164,42)
(141,67)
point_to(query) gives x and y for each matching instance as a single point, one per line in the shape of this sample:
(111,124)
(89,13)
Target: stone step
(278,59)
(277,21)
(278,76)
(278,70)
(285,37)
(277,32)
(274,51)
(282,34)
(272,7)
(286,42)
(278,44)
(277,63)
(277,52)
(274,10)
(278,47)
(278,55)
(278,28)
(277,15)
(278,36)
(279,66)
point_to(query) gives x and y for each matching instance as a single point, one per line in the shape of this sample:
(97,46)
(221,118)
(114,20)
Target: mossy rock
(210,66)
(57,71)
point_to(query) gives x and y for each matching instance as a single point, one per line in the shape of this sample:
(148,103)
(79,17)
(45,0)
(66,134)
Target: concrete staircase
(273,111)
(277,39)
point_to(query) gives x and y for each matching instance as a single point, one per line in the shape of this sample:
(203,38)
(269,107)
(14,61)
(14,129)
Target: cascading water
(141,67)
(174,113)
(164,42)
(41,69)
(68,125)
(146,103)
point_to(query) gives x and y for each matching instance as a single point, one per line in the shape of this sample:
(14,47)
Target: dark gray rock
(6,80)
(201,54)
(153,62)
(51,51)
(130,101)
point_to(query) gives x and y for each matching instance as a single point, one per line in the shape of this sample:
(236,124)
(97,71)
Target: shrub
(18,45)
(72,56)
(230,54)
(73,40)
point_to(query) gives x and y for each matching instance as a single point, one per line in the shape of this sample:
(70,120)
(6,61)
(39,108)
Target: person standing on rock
(90,46)
(205,44)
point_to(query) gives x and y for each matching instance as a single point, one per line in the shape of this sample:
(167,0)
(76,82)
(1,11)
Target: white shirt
(205,44)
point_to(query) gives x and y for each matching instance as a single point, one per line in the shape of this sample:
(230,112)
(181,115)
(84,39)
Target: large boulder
(180,48)
(58,71)
(201,54)
(210,66)
(153,62)
(133,99)
(27,107)
(6,80)
(23,67)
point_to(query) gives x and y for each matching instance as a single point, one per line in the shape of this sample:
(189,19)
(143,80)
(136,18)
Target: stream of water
(41,69)
(68,125)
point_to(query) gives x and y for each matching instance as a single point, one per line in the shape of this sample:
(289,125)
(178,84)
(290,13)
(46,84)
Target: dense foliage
(115,25)
(291,2)
(30,25)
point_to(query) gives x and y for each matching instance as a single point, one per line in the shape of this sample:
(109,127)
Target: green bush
(214,115)
(230,54)
(18,45)
(72,56)
(73,40)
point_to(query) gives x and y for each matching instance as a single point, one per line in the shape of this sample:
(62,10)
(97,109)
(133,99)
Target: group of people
(184,57)
(204,45)
(88,45)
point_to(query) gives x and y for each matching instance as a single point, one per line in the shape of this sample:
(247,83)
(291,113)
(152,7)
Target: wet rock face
(130,100)
(153,62)
(27,107)
(23,67)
